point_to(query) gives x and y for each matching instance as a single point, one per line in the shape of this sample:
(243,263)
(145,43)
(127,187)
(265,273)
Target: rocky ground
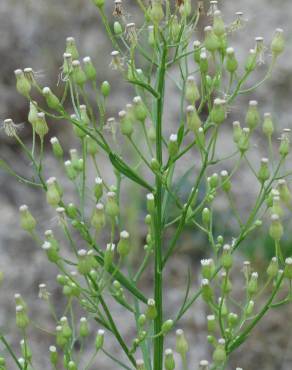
(32,33)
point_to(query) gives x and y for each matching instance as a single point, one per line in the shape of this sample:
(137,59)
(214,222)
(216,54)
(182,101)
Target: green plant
(210,80)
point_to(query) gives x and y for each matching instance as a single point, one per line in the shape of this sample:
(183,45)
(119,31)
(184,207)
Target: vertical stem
(158,341)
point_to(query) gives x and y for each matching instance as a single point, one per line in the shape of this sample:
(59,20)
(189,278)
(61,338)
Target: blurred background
(32,34)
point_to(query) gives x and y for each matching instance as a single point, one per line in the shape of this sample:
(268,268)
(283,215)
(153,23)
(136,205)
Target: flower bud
(84,264)
(276,207)
(70,171)
(251,61)
(276,228)
(91,146)
(98,188)
(98,217)
(173,145)
(118,30)
(191,91)
(208,268)
(151,311)
(285,143)
(249,308)
(211,323)
(204,365)
(52,251)
(288,268)
(150,203)
(169,362)
(53,355)
(109,256)
(89,69)
(112,208)
(22,319)
(264,172)
(151,35)
(218,113)
(284,192)
(252,118)
(207,292)
(193,119)
(225,181)
(57,148)
(252,285)
(211,42)
(232,319)
(167,326)
(99,340)
(156,11)
(123,247)
(268,125)
(206,215)
(71,47)
(243,143)
(140,111)
(226,258)
(126,123)
(226,285)
(182,345)
(27,221)
(155,165)
(140,365)
(23,85)
(52,100)
(219,355)
(231,61)
(78,74)
(54,192)
(204,64)
(83,328)
(105,89)
(237,131)
(278,43)
(25,350)
(41,127)
(273,268)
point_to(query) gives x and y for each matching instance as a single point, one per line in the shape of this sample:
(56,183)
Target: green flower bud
(78,74)
(222,304)
(140,111)
(2,364)
(285,143)
(41,127)
(204,64)
(173,145)
(218,24)
(23,85)
(54,192)
(251,61)
(193,119)
(105,89)
(284,192)
(213,181)
(278,43)
(112,207)
(71,48)
(52,251)
(276,229)
(151,311)
(142,320)
(211,323)
(89,69)
(124,247)
(98,188)
(118,30)
(252,286)
(182,345)
(273,268)
(109,256)
(264,172)
(27,221)
(276,207)
(155,165)
(140,365)
(197,51)
(192,92)
(83,328)
(206,215)
(52,100)
(211,42)
(99,340)
(74,159)
(151,36)
(98,217)
(208,268)
(126,123)
(84,264)
(218,113)
(231,61)
(226,285)
(70,171)
(91,146)
(169,362)
(53,355)
(167,326)
(25,350)
(207,292)
(72,365)
(243,143)
(226,258)
(225,181)
(150,203)
(268,125)
(237,131)
(32,115)
(249,308)
(219,355)
(66,330)
(57,148)
(22,320)
(232,319)
(252,118)
(156,11)
(288,268)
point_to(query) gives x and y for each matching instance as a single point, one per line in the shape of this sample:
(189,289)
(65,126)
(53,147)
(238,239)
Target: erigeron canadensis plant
(209,81)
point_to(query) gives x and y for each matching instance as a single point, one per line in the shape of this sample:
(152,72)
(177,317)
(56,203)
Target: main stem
(158,281)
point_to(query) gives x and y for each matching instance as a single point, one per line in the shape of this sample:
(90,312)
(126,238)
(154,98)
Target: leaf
(128,172)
